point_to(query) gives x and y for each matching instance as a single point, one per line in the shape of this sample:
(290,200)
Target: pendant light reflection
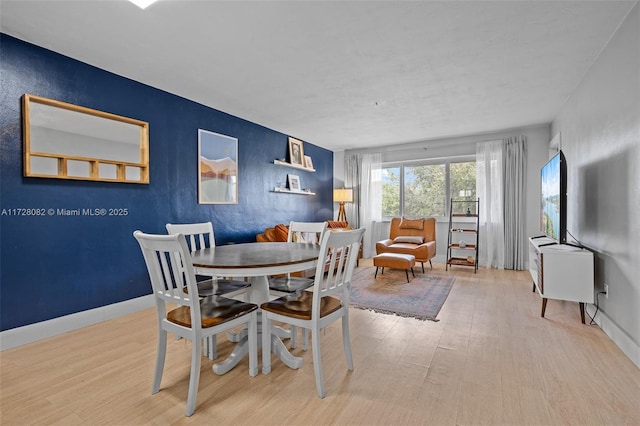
(143,4)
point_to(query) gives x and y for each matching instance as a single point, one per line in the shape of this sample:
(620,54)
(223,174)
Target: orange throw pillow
(282,233)
(412,223)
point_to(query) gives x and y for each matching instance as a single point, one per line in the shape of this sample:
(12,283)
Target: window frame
(426,162)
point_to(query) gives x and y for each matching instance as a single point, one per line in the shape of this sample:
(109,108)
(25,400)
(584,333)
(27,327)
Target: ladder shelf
(463,239)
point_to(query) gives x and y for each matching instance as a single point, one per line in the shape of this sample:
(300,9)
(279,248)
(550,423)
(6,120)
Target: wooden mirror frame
(82,129)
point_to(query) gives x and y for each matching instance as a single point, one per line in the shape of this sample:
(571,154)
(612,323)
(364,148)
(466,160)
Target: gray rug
(390,293)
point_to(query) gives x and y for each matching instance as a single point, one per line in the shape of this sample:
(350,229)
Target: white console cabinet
(561,271)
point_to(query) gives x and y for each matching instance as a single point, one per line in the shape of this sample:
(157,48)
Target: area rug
(390,293)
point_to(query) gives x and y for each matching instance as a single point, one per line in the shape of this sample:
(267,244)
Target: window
(390,191)
(424,188)
(462,181)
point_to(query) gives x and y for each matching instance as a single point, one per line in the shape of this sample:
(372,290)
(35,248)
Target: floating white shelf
(288,191)
(294,166)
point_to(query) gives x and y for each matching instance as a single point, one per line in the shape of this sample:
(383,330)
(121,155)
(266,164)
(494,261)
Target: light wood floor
(490,359)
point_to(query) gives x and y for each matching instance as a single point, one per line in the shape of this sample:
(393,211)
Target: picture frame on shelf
(308,163)
(294,183)
(296,152)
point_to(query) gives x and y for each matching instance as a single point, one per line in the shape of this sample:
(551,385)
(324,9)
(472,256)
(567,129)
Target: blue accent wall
(57,265)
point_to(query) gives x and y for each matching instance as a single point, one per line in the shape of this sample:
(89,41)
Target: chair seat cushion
(412,239)
(298,305)
(214,310)
(290,285)
(422,252)
(394,260)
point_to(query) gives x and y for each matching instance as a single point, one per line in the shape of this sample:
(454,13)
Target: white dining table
(256,261)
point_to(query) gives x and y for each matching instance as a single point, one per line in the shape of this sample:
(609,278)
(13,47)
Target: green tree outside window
(418,190)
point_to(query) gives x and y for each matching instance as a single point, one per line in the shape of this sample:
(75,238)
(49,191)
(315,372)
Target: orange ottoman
(395,261)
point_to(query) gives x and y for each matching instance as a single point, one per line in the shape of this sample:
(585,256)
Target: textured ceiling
(341,74)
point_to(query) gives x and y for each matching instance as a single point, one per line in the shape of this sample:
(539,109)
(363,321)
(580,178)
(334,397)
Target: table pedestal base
(242,348)
(258,294)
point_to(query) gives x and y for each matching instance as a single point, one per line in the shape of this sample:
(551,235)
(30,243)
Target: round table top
(255,255)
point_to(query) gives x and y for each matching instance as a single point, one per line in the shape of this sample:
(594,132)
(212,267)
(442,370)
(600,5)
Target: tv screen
(553,198)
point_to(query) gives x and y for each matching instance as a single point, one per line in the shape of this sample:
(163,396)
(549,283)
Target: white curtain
(515,172)
(363,173)
(489,186)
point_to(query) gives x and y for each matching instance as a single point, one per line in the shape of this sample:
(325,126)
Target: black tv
(553,198)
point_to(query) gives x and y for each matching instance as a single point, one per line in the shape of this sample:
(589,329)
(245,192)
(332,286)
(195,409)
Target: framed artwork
(217,168)
(307,162)
(294,182)
(296,153)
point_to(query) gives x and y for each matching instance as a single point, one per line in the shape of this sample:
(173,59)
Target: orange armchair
(411,236)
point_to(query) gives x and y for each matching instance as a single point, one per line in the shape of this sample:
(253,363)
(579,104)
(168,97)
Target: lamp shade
(343,195)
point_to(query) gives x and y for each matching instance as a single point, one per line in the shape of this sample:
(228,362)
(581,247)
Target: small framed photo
(294,182)
(307,162)
(296,153)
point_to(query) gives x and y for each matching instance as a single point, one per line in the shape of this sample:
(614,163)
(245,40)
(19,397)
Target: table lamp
(342,196)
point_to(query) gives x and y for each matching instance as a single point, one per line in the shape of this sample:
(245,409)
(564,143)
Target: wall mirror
(67,141)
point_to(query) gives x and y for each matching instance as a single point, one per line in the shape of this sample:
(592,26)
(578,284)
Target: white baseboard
(42,330)
(630,348)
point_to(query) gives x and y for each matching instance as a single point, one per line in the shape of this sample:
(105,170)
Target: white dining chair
(315,310)
(199,236)
(171,271)
(308,232)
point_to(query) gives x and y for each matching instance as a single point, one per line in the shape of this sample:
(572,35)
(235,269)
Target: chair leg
(160,357)
(376,274)
(317,362)
(346,341)
(294,338)
(406,272)
(194,377)
(211,347)
(422,267)
(305,339)
(431,264)
(253,345)
(266,343)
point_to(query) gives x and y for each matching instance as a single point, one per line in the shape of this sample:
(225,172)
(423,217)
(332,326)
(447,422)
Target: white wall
(600,134)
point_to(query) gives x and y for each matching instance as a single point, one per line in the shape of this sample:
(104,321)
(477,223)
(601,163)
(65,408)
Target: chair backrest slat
(170,271)
(341,248)
(301,230)
(196,234)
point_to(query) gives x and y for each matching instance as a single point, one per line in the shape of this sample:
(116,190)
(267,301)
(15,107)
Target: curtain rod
(416,148)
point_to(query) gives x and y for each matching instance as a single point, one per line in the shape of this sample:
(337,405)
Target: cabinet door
(539,260)
(568,276)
